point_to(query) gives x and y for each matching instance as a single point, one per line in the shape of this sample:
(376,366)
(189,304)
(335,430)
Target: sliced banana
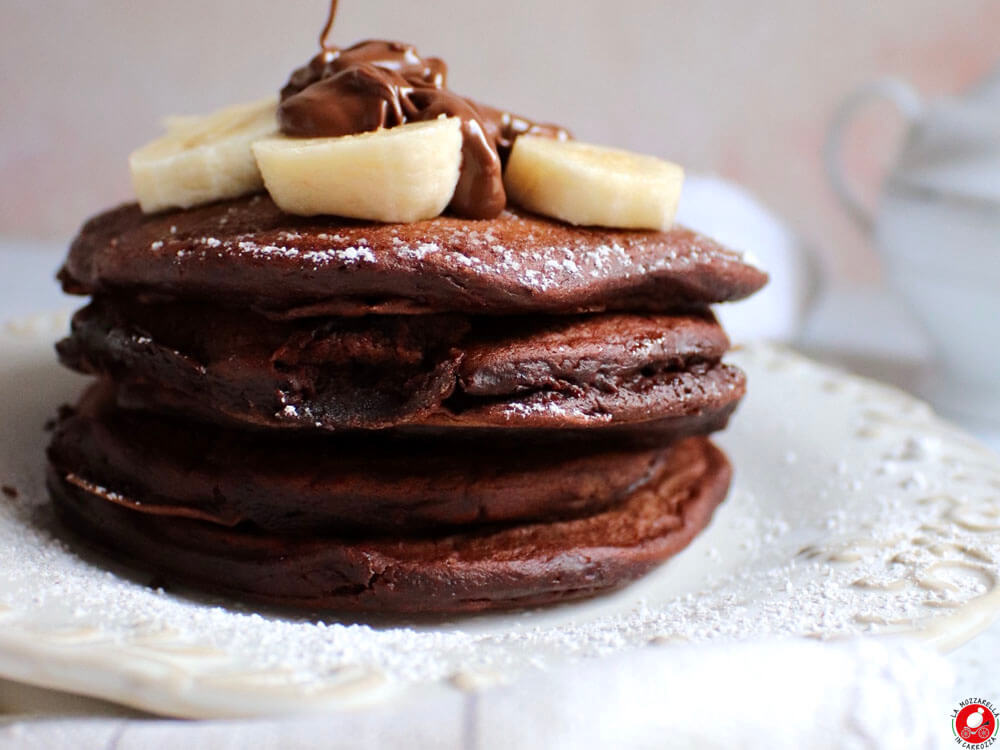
(592,185)
(178,123)
(202,159)
(401,174)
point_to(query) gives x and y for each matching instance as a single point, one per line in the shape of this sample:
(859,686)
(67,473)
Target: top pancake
(247,252)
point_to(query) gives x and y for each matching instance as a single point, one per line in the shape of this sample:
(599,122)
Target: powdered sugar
(534,261)
(342,256)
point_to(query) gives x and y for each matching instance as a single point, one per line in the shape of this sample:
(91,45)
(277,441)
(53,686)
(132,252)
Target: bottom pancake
(500,567)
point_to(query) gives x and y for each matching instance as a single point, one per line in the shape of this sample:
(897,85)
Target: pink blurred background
(739,89)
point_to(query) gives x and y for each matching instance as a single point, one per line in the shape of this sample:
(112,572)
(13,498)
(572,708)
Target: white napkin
(775,695)
(728,213)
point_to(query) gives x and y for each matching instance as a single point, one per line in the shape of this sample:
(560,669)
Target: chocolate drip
(324,35)
(380,84)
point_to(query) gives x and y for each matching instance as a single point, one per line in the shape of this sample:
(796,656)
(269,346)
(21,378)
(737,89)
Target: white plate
(854,510)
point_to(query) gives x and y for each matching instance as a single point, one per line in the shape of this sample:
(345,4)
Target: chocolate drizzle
(380,84)
(324,35)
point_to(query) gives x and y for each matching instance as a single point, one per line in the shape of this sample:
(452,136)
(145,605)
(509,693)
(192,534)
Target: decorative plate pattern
(854,510)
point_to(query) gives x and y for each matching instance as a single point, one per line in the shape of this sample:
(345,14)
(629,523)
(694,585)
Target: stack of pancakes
(450,415)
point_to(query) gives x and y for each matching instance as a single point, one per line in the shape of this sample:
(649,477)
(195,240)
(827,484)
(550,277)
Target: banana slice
(401,174)
(592,185)
(202,159)
(178,123)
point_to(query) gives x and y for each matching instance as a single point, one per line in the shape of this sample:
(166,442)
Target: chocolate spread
(380,84)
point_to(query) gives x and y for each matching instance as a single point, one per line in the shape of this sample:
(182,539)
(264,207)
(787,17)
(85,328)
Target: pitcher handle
(909,104)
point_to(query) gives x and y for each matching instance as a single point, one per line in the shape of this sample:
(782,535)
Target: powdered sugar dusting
(342,256)
(535,262)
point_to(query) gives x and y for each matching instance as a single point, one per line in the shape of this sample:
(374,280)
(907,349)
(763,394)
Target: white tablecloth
(798,694)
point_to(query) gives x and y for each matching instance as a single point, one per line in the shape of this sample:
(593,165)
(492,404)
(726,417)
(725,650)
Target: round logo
(975,723)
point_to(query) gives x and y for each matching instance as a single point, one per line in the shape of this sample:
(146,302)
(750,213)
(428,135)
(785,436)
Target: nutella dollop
(380,84)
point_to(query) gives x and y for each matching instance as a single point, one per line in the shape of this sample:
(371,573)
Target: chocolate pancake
(432,372)
(247,253)
(486,568)
(166,467)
